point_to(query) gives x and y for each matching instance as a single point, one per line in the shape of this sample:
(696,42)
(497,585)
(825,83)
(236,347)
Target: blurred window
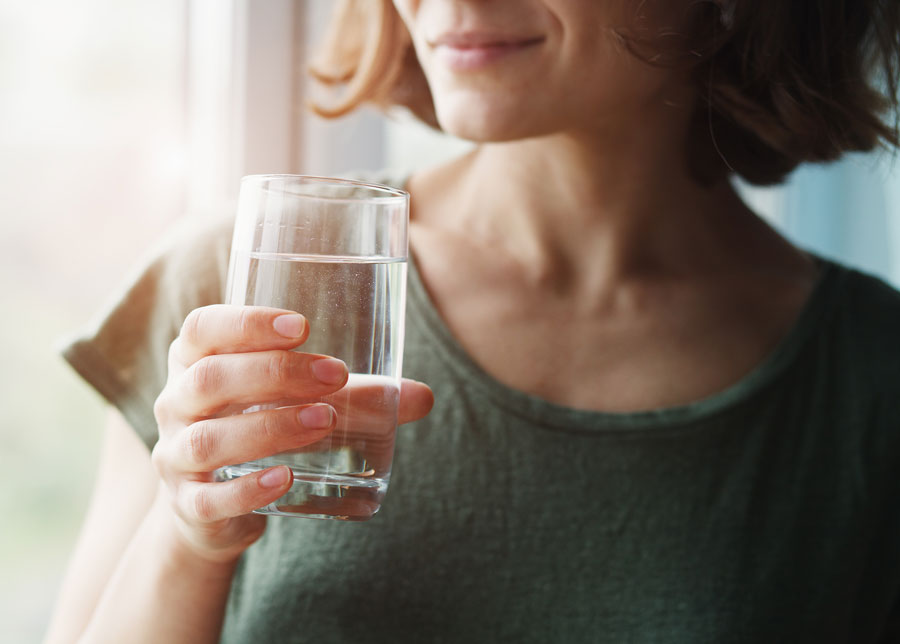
(92,159)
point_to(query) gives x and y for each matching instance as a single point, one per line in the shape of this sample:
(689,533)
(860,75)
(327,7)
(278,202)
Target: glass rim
(393,195)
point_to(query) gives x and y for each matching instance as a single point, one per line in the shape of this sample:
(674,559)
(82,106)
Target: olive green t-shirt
(769,512)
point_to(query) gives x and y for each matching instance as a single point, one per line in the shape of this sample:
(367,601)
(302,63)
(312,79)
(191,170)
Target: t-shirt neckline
(553,415)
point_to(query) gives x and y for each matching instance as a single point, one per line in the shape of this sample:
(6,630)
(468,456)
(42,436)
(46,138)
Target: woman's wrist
(180,551)
(164,588)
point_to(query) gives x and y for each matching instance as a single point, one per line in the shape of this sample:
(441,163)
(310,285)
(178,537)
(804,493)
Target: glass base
(319,496)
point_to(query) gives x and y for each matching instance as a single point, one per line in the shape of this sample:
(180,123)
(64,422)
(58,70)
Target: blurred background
(118,117)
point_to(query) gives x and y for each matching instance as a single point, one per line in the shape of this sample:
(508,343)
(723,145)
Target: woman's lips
(466,52)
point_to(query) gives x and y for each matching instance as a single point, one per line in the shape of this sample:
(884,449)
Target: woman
(655,419)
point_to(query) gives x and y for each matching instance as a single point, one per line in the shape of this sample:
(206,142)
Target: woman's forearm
(161,590)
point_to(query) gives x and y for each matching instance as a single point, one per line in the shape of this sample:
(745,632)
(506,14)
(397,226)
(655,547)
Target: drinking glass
(335,251)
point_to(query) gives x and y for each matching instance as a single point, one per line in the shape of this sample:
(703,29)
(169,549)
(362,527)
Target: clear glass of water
(335,251)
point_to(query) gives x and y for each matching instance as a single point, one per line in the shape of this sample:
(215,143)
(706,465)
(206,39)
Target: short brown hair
(779,82)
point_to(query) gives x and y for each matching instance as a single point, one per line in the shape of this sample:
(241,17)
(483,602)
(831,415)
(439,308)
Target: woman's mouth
(469,51)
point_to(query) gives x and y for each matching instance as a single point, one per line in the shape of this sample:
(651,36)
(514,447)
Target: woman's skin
(607,279)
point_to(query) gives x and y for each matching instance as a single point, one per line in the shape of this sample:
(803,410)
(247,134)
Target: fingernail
(331,371)
(317,416)
(290,325)
(274,478)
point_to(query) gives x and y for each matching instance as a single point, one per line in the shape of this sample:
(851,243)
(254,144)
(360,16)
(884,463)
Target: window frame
(247,89)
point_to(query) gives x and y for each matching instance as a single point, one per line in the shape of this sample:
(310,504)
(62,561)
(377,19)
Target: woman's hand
(228,358)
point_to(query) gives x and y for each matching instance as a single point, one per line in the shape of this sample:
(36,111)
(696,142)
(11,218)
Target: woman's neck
(574,272)
(600,208)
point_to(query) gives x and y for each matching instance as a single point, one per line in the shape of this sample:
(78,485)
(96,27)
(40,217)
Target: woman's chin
(481,118)
(493,129)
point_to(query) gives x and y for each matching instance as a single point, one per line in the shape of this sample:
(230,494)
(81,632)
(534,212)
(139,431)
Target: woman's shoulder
(194,256)
(870,309)
(864,332)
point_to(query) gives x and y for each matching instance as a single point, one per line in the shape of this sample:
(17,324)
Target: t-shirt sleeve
(123,353)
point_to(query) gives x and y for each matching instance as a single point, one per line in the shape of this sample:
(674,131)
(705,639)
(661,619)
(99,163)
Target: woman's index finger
(229,328)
